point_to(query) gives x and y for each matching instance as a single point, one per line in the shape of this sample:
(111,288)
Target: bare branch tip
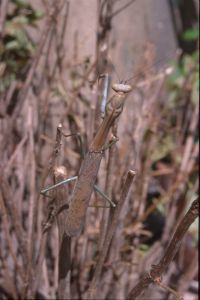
(60,171)
(132,173)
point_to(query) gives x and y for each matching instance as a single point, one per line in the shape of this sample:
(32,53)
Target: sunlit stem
(106,84)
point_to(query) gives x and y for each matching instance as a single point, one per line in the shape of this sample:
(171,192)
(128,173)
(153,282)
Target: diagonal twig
(157,270)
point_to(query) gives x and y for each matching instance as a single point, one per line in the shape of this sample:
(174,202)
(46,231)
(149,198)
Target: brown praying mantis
(85,181)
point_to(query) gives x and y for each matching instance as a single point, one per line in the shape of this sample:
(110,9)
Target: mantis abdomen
(82,193)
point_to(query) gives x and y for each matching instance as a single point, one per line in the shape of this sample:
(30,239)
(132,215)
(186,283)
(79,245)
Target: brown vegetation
(150,173)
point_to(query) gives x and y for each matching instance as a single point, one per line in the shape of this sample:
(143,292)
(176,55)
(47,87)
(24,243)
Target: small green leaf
(38,14)
(143,247)
(20,20)
(13,45)
(191,35)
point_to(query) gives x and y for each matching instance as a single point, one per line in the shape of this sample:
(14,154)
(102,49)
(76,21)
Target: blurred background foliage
(17,46)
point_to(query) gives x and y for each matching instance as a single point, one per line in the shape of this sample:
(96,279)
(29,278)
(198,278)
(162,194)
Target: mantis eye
(120,87)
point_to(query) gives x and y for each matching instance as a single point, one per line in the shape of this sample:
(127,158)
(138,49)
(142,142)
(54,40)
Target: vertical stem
(93,286)
(64,259)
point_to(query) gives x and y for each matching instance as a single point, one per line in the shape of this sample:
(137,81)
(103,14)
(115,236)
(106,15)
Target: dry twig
(158,269)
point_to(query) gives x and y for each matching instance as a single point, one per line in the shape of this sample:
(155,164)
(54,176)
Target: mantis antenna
(156,64)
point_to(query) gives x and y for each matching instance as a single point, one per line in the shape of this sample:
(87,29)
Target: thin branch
(3,13)
(64,260)
(8,237)
(61,38)
(93,286)
(12,158)
(8,278)
(13,212)
(35,271)
(108,191)
(35,275)
(157,270)
(168,289)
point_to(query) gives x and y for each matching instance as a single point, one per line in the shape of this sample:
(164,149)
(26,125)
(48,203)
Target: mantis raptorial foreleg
(96,188)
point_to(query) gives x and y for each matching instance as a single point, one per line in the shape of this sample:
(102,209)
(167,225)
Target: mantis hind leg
(102,194)
(96,188)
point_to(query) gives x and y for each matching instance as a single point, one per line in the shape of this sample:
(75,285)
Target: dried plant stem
(35,268)
(93,286)
(157,270)
(167,288)
(190,139)
(15,153)
(3,13)
(64,259)
(61,38)
(108,190)
(32,201)
(34,276)
(8,279)
(13,212)
(9,237)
